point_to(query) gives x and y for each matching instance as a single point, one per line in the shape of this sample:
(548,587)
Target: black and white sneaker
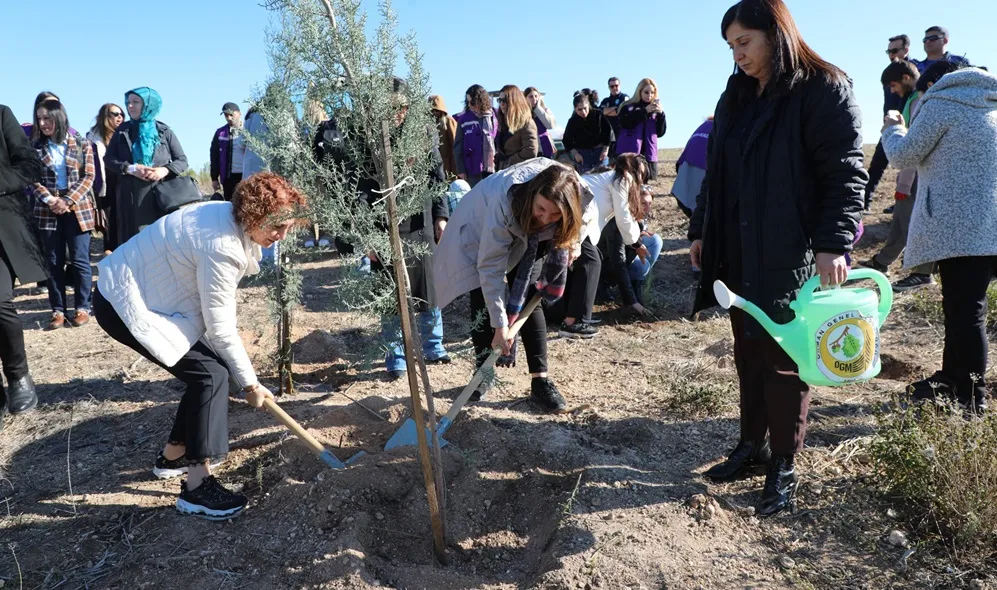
(166,469)
(210,500)
(545,394)
(913,281)
(578,330)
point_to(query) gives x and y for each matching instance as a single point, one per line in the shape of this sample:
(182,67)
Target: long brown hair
(634,169)
(636,98)
(793,61)
(105,127)
(518,113)
(558,184)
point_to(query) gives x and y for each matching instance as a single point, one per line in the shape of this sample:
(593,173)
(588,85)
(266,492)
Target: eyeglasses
(614,85)
(116,114)
(894,51)
(503,100)
(932,38)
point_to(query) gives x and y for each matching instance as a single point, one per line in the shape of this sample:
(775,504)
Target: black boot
(938,387)
(638,287)
(780,486)
(545,394)
(3,407)
(747,458)
(21,395)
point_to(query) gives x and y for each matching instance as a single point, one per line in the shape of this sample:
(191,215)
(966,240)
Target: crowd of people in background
(774,186)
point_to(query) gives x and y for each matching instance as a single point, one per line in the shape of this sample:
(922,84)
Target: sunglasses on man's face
(932,38)
(894,50)
(614,85)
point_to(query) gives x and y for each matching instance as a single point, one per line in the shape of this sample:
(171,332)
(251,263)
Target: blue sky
(200,54)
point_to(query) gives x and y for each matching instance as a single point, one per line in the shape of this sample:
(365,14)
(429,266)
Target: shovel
(405,436)
(324,454)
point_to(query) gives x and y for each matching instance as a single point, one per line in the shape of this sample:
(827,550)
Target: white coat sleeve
(217,280)
(906,148)
(629,228)
(493,258)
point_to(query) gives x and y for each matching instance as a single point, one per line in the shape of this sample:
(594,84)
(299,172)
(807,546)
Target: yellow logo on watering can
(847,347)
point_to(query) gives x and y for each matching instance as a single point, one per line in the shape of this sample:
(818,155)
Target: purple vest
(642,139)
(223,152)
(473,154)
(695,149)
(546,143)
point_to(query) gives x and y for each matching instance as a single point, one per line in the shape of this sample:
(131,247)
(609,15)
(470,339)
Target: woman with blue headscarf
(142,152)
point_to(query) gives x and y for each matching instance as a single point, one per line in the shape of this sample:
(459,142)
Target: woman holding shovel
(170,294)
(511,239)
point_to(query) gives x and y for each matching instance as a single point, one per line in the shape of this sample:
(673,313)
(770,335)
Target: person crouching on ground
(495,248)
(170,294)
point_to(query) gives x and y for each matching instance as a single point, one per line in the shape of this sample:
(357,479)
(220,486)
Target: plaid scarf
(550,286)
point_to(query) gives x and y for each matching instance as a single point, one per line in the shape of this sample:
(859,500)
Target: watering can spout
(781,333)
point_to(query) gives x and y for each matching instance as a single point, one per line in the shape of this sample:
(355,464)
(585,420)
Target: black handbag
(174,193)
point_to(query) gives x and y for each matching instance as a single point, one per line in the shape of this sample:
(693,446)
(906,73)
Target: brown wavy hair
(558,184)
(104,126)
(635,168)
(518,112)
(265,198)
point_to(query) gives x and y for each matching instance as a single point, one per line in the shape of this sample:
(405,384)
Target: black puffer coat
(801,191)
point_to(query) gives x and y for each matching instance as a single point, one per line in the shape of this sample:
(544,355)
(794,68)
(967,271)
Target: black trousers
(202,418)
(876,169)
(615,261)
(583,282)
(228,187)
(12,355)
(964,301)
(773,397)
(533,334)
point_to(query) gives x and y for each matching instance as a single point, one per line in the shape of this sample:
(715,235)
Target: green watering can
(834,339)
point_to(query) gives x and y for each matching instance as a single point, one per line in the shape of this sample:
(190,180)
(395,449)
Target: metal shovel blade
(406,435)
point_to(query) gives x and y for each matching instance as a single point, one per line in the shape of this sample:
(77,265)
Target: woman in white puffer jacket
(953,144)
(614,195)
(169,293)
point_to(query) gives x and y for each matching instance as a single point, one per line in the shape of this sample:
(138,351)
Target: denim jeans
(68,234)
(430,325)
(590,159)
(639,270)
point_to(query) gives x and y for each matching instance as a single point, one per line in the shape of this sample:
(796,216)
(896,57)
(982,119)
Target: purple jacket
(695,149)
(221,154)
(468,146)
(639,132)
(546,143)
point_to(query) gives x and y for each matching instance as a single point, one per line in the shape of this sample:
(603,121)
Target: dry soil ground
(609,496)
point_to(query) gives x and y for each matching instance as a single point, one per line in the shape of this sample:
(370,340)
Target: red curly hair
(262,197)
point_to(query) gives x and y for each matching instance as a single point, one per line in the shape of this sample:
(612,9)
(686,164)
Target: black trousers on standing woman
(12,354)
(533,333)
(964,301)
(202,418)
(773,397)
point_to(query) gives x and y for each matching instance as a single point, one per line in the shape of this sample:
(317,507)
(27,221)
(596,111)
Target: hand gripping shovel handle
(479,375)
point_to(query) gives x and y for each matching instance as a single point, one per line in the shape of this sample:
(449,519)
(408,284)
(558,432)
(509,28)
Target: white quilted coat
(175,283)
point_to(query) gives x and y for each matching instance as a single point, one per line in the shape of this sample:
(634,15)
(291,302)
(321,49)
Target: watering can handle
(885,289)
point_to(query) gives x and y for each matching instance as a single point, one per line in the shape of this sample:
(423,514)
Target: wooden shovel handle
(296,428)
(489,363)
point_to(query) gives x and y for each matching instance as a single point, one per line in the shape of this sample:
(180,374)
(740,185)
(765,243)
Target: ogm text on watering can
(847,347)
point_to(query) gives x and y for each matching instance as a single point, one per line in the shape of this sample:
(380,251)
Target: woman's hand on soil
(638,308)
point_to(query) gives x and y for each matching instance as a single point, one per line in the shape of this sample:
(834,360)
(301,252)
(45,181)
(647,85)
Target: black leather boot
(780,486)
(21,395)
(747,458)
(3,406)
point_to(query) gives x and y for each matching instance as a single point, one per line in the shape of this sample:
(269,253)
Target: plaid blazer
(80,185)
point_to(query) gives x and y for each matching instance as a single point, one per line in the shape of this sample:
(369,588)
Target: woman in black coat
(781,202)
(20,258)
(142,152)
